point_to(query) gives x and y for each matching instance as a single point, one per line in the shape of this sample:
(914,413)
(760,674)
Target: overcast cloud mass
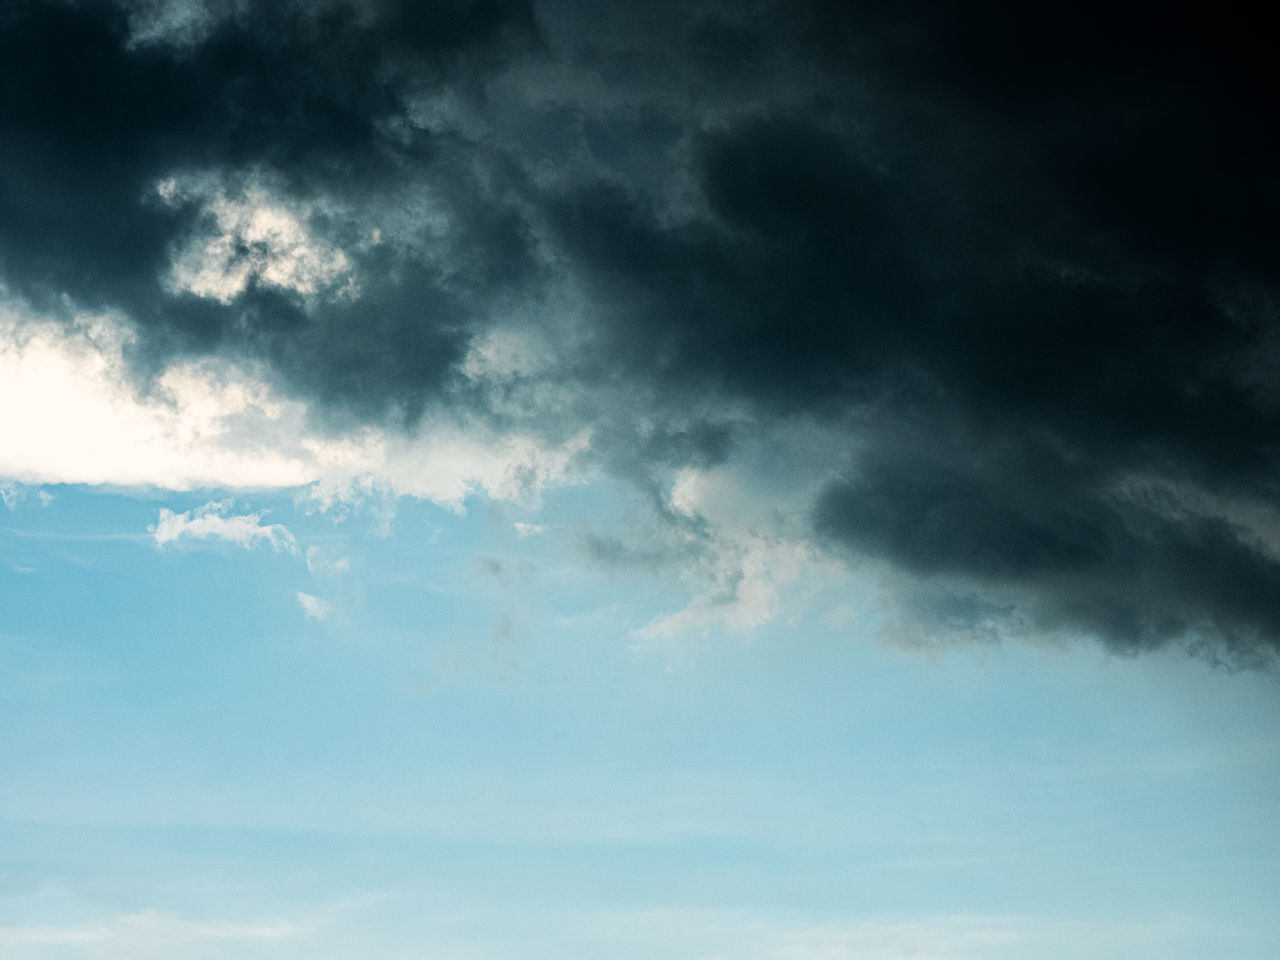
(978,299)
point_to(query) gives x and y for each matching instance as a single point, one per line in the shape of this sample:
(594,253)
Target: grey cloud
(316,100)
(998,544)
(1015,243)
(612,553)
(1017,253)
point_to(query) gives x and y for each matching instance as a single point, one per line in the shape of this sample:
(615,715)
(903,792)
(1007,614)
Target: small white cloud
(323,561)
(314,607)
(744,574)
(529,529)
(11,493)
(755,561)
(210,522)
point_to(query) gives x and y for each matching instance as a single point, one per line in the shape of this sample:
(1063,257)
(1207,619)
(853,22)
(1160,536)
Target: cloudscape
(503,479)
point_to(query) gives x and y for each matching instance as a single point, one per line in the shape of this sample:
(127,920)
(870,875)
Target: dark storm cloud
(314,97)
(1019,529)
(1028,252)
(1036,251)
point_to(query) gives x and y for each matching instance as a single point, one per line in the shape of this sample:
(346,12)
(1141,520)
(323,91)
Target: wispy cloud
(322,561)
(210,522)
(727,933)
(13,493)
(10,493)
(149,933)
(314,607)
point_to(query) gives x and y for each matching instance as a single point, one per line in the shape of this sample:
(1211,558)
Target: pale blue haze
(473,757)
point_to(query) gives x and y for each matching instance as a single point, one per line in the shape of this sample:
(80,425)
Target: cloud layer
(1004,278)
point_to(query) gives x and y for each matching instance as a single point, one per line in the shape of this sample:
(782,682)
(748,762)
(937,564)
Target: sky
(520,479)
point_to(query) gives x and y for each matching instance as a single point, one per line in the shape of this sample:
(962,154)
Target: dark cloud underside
(1029,251)
(312,95)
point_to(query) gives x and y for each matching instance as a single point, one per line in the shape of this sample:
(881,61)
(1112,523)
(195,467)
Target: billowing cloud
(1006,277)
(77,417)
(250,241)
(208,422)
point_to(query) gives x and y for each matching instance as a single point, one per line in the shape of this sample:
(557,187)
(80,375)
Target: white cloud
(11,493)
(210,522)
(323,561)
(212,424)
(752,512)
(205,424)
(445,463)
(314,607)
(747,577)
(254,238)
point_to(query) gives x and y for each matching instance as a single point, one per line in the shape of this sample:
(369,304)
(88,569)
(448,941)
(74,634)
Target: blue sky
(472,754)
(519,479)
